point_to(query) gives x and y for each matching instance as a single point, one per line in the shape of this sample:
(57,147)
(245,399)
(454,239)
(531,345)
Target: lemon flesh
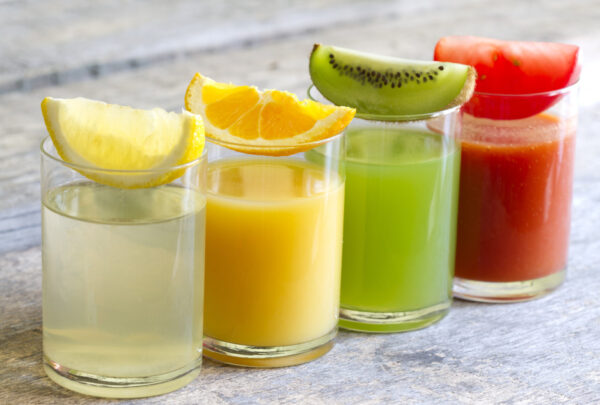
(107,138)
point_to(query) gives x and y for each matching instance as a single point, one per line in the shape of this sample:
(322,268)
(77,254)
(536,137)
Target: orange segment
(218,91)
(317,110)
(284,117)
(247,126)
(226,111)
(272,122)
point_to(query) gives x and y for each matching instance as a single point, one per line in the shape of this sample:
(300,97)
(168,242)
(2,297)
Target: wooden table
(143,53)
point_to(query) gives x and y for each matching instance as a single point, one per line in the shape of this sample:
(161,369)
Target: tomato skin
(509,106)
(512,68)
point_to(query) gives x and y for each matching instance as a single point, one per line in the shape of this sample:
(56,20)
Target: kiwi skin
(380,85)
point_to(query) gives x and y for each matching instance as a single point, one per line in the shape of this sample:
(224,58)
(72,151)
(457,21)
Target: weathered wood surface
(546,351)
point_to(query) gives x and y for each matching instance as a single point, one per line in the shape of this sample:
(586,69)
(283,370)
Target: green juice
(399,228)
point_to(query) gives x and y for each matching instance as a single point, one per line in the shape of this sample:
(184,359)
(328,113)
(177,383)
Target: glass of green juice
(400,211)
(123,275)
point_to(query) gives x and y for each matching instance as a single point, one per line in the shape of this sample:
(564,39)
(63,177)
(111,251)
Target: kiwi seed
(378,79)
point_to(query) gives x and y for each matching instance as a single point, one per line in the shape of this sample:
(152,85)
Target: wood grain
(545,351)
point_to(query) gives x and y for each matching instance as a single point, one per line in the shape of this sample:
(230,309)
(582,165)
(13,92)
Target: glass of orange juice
(273,253)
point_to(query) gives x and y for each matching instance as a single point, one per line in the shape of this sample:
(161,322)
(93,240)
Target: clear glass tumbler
(400,221)
(515,195)
(274,245)
(123,273)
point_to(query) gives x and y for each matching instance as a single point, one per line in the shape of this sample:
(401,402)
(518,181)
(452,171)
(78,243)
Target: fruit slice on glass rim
(270,122)
(512,68)
(121,146)
(385,86)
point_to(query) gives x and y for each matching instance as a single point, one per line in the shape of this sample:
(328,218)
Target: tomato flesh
(512,68)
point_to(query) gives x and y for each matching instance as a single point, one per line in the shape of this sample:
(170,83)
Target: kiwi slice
(380,85)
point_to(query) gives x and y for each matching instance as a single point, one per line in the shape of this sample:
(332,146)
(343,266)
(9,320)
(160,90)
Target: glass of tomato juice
(516,181)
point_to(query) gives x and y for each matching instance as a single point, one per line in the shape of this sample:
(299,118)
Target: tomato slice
(510,68)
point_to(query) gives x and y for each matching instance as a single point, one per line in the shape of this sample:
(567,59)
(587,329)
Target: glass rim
(242,147)
(548,93)
(389,117)
(76,166)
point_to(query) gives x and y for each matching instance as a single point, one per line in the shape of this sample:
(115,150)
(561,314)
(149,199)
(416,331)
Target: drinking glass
(123,273)
(274,244)
(400,221)
(515,195)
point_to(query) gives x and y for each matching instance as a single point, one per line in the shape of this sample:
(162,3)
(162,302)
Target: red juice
(515,198)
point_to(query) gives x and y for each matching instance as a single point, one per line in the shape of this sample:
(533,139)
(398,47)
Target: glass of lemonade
(123,273)
(400,221)
(274,246)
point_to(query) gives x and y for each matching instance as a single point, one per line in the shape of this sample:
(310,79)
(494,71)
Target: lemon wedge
(109,139)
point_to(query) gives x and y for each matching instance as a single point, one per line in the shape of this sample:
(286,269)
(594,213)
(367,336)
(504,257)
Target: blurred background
(52,42)
(143,53)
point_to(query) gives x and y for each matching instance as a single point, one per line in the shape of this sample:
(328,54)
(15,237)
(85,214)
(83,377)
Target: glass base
(120,387)
(389,322)
(267,356)
(515,291)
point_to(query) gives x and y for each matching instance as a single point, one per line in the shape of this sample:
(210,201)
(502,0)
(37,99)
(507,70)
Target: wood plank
(57,41)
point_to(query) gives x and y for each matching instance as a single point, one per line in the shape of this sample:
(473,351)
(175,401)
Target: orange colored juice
(273,251)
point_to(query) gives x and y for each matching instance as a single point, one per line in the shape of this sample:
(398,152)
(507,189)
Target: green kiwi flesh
(381,85)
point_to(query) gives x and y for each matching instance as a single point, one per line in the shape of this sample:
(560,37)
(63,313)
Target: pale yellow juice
(274,243)
(123,281)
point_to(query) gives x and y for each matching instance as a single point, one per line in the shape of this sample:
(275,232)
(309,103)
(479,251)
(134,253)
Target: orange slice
(270,122)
